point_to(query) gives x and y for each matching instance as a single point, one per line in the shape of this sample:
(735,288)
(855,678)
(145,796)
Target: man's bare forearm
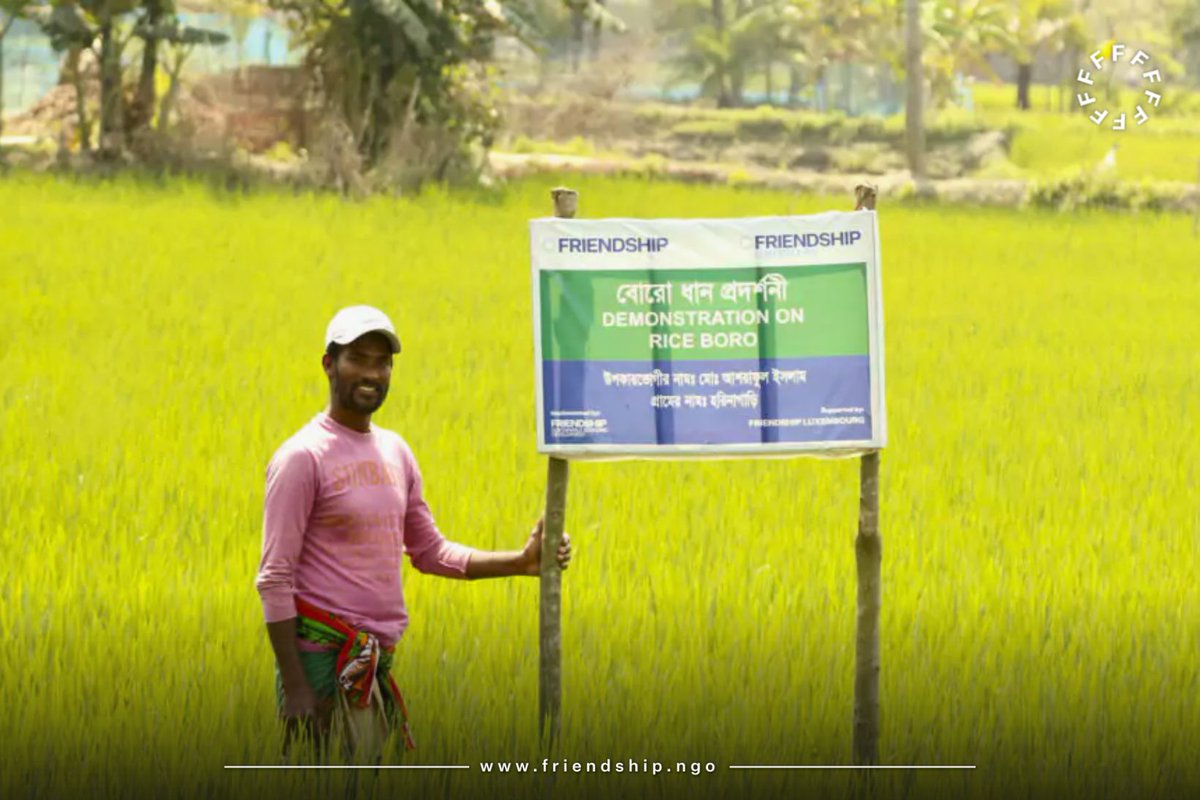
(496,564)
(283,642)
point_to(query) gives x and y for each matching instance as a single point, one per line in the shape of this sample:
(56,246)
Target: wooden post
(868,550)
(566,201)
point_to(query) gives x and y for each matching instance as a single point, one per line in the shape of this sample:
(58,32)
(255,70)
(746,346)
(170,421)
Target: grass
(1048,144)
(1180,100)
(1056,144)
(1039,506)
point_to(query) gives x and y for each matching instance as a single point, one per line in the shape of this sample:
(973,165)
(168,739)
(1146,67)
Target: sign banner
(708,337)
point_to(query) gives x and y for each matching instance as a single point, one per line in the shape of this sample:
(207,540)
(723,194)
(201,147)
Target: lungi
(351,675)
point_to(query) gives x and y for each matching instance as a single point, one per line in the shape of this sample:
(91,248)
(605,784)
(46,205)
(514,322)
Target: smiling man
(343,502)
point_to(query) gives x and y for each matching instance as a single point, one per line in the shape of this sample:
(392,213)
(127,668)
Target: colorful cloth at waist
(360,662)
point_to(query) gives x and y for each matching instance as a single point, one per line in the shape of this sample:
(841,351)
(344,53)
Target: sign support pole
(566,202)
(868,550)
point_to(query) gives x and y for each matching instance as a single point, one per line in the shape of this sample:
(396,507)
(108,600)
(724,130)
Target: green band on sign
(743,312)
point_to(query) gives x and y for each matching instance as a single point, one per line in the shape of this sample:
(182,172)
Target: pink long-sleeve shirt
(341,508)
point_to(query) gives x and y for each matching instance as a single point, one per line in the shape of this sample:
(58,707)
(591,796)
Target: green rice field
(1039,509)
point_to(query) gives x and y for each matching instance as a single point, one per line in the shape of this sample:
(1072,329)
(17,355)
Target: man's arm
(502,563)
(299,699)
(431,552)
(291,492)
(498,564)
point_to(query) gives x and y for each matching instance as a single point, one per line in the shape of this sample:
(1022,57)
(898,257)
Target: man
(343,502)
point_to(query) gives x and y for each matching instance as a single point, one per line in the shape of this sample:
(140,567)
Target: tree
(720,42)
(1039,25)
(64,24)
(819,34)
(385,68)
(959,35)
(159,24)
(10,12)
(755,41)
(1185,28)
(155,12)
(78,26)
(181,40)
(704,51)
(114,32)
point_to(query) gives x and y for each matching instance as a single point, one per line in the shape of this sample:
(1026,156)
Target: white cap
(353,321)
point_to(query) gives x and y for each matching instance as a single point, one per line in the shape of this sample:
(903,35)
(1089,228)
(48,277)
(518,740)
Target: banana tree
(114,32)
(105,28)
(154,12)
(102,27)
(65,25)
(181,40)
(386,67)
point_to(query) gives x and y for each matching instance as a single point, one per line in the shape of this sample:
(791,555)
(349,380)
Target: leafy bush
(402,80)
(1086,189)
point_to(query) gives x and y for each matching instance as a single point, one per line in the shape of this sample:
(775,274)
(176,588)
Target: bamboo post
(868,550)
(566,201)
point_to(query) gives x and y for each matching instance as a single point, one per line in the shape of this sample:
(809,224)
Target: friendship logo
(1152,75)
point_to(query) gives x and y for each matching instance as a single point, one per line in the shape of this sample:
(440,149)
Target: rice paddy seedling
(1039,507)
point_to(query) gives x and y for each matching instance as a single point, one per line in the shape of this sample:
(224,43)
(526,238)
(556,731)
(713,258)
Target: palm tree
(704,53)
(723,40)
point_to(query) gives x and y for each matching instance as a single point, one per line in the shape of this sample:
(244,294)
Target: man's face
(361,373)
